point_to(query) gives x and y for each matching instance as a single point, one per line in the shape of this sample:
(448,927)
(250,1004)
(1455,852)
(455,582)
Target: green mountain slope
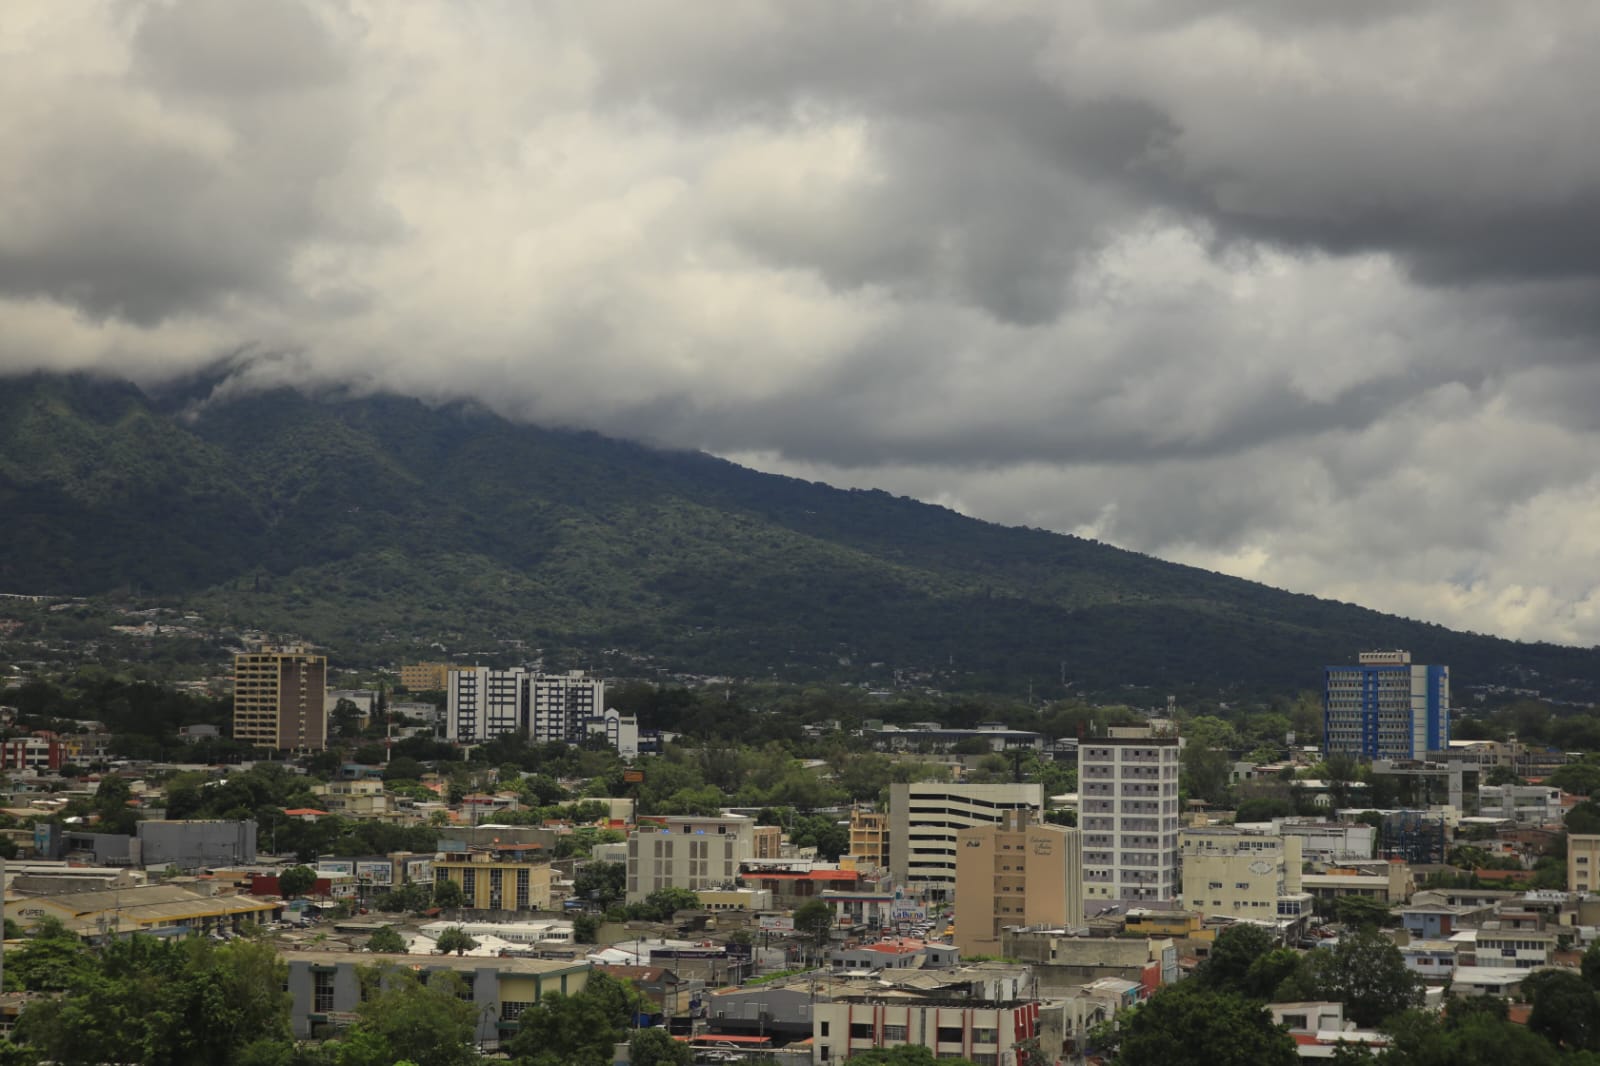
(381,522)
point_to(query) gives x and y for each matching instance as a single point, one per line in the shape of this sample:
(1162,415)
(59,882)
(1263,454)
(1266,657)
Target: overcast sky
(1304,292)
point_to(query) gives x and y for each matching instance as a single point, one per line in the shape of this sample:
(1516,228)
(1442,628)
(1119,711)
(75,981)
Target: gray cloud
(1305,292)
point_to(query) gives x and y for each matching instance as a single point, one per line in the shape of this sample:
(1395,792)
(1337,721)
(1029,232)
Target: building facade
(484,704)
(869,838)
(425,677)
(32,753)
(1232,874)
(278,699)
(1523,804)
(687,852)
(1016,873)
(1385,707)
(1128,803)
(925,816)
(491,883)
(1583,862)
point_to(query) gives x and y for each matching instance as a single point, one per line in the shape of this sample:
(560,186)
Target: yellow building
(497,883)
(159,909)
(278,699)
(1015,873)
(1230,873)
(768,842)
(1583,862)
(425,677)
(869,838)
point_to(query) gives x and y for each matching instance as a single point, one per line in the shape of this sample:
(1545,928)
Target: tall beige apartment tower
(278,699)
(1016,873)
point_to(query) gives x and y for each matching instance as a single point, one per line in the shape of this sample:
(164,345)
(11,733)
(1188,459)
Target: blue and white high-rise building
(1385,707)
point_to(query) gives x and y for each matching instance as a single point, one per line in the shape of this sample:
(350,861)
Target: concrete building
(1128,799)
(869,838)
(1232,874)
(192,845)
(621,731)
(1015,873)
(484,704)
(685,851)
(160,910)
(1583,862)
(1385,707)
(425,677)
(37,753)
(925,816)
(493,881)
(1062,961)
(1385,881)
(278,699)
(985,1027)
(1523,804)
(325,988)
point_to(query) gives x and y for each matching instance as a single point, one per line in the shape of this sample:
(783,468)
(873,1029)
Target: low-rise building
(1583,862)
(1521,949)
(1235,874)
(490,881)
(1522,804)
(325,988)
(893,954)
(869,838)
(687,851)
(1387,882)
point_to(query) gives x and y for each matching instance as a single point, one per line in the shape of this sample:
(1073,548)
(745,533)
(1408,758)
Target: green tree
(1361,912)
(813,920)
(49,961)
(296,881)
(1190,1025)
(455,939)
(1470,1037)
(657,1047)
(404,1018)
(448,895)
(585,929)
(578,1030)
(1235,950)
(1591,965)
(386,940)
(1566,1010)
(1367,973)
(601,883)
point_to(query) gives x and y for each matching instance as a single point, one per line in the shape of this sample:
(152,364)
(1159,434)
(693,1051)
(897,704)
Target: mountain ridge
(377,521)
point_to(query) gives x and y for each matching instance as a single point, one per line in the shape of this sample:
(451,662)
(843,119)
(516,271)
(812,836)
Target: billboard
(776,923)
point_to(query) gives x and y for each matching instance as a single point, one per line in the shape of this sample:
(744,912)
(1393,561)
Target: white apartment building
(686,851)
(1523,804)
(925,816)
(484,704)
(1128,811)
(621,731)
(1229,873)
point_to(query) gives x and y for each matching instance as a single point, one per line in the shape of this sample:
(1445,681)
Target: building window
(894,1032)
(860,1030)
(321,991)
(948,1034)
(824,1028)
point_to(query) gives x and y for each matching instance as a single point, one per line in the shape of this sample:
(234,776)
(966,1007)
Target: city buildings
(869,838)
(32,753)
(1128,799)
(425,677)
(484,704)
(278,699)
(925,816)
(1583,862)
(499,881)
(687,852)
(1228,873)
(1523,804)
(1386,707)
(1015,873)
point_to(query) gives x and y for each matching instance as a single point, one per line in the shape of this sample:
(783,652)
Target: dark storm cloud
(1305,291)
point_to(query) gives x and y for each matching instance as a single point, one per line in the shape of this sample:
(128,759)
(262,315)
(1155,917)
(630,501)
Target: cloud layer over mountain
(1303,292)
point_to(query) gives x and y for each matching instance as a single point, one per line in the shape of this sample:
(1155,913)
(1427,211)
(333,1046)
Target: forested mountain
(381,521)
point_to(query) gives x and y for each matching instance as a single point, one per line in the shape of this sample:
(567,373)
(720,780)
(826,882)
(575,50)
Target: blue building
(1385,707)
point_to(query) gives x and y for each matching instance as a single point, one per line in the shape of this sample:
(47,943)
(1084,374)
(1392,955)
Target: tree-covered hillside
(381,521)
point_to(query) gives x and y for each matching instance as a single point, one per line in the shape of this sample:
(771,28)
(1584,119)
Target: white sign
(776,923)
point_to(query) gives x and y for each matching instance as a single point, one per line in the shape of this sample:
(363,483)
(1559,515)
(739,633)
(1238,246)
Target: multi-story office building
(497,881)
(1583,862)
(1128,811)
(1232,874)
(425,677)
(925,816)
(484,704)
(278,699)
(1523,804)
(869,838)
(687,852)
(1015,873)
(1385,707)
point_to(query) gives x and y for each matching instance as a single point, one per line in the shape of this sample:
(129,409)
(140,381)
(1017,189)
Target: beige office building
(425,677)
(869,838)
(924,818)
(1583,862)
(1017,873)
(1228,873)
(686,851)
(278,699)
